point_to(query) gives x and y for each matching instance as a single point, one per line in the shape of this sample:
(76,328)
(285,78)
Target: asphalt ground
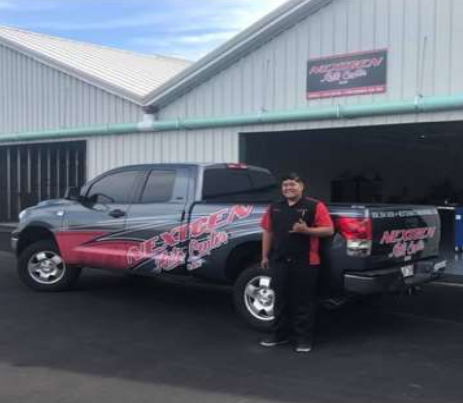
(116,339)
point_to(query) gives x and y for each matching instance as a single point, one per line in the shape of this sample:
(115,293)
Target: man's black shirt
(283,217)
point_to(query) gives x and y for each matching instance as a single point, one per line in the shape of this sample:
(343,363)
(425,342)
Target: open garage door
(35,172)
(414,163)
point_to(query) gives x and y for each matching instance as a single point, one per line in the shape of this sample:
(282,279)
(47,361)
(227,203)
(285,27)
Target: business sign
(348,74)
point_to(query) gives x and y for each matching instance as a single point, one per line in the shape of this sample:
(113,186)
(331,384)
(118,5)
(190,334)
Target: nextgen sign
(348,74)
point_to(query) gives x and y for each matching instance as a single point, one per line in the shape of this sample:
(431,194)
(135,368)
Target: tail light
(358,234)
(237,166)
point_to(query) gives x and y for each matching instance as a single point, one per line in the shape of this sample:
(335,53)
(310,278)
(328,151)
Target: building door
(30,173)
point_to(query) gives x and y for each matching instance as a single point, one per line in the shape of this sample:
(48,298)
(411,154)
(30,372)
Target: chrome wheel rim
(259,298)
(46,267)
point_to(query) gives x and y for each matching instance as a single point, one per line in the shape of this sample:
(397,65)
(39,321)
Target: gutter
(336,112)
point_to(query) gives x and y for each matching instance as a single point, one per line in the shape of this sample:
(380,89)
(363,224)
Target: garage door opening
(416,163)
(36,172)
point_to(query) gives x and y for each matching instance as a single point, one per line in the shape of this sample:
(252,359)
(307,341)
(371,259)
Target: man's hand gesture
(264,263)
(300,228)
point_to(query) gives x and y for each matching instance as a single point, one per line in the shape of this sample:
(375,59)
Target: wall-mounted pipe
(418,105)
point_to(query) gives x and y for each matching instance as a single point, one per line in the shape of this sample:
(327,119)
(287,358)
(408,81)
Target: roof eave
(268,27)
(50,62)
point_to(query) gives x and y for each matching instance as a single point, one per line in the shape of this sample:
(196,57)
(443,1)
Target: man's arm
(267,238)
(321,232)
(323,225)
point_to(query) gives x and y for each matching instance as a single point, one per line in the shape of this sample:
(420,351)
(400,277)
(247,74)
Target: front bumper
(14,242)
(391,279)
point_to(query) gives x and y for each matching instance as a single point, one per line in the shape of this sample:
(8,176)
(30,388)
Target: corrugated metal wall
(104,153)
(35,97)
(423,38)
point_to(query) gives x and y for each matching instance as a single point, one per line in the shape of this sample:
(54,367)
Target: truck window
(114,188)
(262,180)
(265,186)
(159,187)
(237,185)
(223,182)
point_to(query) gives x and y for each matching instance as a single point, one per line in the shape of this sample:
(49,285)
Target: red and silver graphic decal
(170,250)
(407,242)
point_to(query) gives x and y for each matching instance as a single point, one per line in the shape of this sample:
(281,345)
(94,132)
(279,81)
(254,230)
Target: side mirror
(99,198)
(72,193)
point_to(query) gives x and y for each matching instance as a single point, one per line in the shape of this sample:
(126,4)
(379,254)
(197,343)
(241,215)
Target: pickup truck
(201,221)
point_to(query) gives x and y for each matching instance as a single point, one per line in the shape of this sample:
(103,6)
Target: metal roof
(262,31)
(129,75)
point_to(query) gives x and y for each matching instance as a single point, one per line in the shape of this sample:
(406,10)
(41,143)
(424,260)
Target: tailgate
(403,234)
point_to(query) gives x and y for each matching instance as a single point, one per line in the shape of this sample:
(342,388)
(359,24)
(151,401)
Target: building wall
(36,97)
(108,152)
(423,39)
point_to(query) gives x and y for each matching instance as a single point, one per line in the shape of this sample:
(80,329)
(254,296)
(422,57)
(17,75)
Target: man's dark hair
(292,176)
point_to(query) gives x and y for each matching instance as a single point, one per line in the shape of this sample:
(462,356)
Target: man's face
(292,189)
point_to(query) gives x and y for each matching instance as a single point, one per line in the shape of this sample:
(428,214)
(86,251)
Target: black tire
(242,307)
(60,277)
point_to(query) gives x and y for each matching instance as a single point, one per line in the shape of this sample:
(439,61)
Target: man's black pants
(295,285)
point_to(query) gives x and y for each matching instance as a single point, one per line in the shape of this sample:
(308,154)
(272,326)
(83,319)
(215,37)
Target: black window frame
(180,189)
(132,192)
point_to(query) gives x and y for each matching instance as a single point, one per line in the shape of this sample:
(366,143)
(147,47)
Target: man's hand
(264,263)
(300,228)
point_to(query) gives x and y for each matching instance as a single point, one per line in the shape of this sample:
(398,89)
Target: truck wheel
(254,298)
(41,267)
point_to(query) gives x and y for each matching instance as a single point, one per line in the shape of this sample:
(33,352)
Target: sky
(182,28)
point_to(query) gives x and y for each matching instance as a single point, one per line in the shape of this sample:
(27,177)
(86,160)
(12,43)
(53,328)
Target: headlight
(22,214)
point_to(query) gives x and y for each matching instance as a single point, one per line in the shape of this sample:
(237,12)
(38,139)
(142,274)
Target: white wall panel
(422,37)
(35,97)
(193,146)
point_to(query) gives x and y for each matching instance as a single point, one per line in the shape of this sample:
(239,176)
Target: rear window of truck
(238,185)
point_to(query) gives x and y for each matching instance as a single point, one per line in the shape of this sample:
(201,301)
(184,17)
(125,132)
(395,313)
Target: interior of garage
(418,163)
(413,163)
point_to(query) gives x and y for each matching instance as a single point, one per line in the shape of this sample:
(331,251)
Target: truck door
(93,232)
(156,221)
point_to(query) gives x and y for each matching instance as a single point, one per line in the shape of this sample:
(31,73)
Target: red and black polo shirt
(280,218)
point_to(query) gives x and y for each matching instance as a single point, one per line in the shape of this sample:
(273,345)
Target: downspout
(418,105)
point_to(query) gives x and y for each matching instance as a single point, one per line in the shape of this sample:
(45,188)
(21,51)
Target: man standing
(292,228)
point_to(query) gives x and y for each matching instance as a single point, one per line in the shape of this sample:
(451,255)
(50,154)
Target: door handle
(117,213)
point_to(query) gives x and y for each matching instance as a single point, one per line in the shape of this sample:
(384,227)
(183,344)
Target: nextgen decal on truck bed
(202,222)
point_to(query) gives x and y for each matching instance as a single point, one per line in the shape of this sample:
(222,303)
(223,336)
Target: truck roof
(191,165)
